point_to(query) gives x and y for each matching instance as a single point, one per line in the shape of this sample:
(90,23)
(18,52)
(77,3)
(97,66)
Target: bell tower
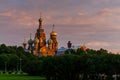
(40,40)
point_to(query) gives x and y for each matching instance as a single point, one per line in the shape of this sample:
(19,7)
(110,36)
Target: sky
(93,23)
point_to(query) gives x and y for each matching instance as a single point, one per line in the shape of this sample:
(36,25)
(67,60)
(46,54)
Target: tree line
(13,58)
(73,65)
(79,65)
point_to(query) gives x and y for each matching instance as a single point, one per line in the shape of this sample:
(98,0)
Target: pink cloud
(93,21)
(8,14)
(98,44)
(104,12)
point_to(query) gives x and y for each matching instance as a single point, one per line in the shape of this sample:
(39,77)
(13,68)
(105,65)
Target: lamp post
(5,67)
(20,65)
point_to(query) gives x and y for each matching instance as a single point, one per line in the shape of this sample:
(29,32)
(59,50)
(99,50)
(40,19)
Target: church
(39,46)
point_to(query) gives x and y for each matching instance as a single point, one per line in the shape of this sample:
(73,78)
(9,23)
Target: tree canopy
(73,65)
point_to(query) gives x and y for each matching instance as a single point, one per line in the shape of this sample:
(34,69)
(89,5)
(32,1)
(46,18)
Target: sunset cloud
(98,44)
(94,22)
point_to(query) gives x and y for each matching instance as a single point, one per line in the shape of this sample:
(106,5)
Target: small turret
(24,44)
(69,44)
(30,41)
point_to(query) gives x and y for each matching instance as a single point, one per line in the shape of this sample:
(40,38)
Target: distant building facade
(40,46)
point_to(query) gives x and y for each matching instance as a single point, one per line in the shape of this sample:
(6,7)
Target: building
(40,46)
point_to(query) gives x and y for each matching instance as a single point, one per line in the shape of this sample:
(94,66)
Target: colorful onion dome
(50,41)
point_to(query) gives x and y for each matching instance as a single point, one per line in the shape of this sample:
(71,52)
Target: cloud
(98,44)
(104,12)
(95,22)
(6,14)
(110,46)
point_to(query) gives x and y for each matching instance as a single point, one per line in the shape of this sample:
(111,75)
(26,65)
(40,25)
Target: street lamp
(17,67)
(5,67)
(20,65)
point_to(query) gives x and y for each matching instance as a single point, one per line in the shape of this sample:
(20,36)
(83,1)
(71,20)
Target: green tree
(13,62)
(3,60)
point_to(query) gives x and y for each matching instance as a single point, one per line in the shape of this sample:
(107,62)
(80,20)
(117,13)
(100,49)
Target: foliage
(75,66)
(11,55)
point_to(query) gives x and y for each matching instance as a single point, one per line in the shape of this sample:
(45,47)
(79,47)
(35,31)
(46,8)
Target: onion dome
(36,40)
(50,41)
(24,43)
(53,33)
(30,41)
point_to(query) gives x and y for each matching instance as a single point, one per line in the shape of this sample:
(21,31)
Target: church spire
(53,32)
(53,27)
(40,21)
(30,36)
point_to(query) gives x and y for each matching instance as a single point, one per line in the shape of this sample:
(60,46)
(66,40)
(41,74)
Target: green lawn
(20,77)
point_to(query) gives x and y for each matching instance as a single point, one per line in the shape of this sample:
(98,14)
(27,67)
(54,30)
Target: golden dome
(53,33)
(24,43)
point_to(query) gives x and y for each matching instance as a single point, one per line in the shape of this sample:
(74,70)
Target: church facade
(39,46)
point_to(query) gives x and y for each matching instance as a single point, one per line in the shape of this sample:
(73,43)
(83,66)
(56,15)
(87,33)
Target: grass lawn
(19,77)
